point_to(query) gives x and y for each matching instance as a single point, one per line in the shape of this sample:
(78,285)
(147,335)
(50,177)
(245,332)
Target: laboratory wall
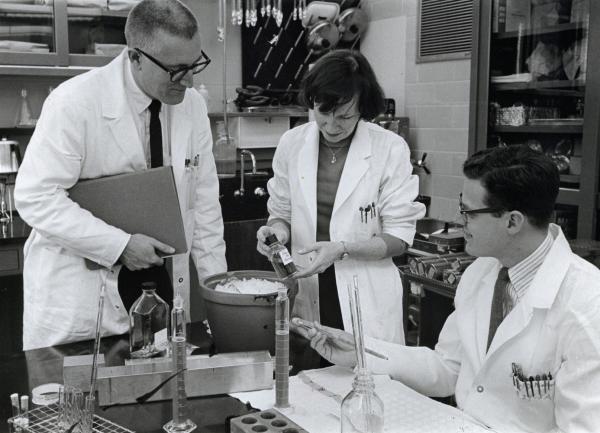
(435,96)
(212,77)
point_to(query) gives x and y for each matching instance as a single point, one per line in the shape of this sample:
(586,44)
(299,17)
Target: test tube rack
(267,421)
(43,420)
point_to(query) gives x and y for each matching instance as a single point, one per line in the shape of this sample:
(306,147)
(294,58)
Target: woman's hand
(261,235)
(334,345)
(327,254)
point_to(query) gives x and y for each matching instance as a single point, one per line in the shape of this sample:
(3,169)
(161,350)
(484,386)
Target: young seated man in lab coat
(527,308)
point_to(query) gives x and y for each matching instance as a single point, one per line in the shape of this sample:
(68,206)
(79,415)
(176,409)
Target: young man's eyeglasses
(466,212)
(178,74)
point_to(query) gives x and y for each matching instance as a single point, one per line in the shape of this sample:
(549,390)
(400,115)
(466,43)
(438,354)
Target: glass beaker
(225,151)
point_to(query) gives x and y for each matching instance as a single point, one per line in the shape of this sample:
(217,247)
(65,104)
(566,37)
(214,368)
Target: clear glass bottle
(148,324)
(204,92)
(224,151)
(280,258)
(362,409)
(24,116)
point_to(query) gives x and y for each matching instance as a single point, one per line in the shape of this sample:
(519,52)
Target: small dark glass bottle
(280,258)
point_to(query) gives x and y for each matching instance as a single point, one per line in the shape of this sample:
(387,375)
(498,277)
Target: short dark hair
(150,16)
(336,78)
(517,178)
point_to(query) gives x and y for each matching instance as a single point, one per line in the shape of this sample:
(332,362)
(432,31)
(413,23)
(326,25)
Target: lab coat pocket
(189,182)
(368,224)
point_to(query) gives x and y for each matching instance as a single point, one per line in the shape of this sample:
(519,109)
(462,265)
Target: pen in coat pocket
(307,325)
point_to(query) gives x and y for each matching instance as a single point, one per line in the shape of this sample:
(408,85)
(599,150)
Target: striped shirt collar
(521,275)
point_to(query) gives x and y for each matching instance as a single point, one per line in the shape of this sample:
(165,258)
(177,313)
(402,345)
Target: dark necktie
(497,311)
(156,150)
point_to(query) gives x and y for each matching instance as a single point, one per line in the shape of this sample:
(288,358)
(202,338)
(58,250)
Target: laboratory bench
(36,367)
(12,239)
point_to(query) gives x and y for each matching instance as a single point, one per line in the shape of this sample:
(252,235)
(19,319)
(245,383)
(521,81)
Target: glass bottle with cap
(280,258)
(148,324)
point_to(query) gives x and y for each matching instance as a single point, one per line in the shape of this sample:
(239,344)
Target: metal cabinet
(535,79)
(58,34)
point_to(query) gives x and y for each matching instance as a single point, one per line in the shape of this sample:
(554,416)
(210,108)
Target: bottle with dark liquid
(280,258)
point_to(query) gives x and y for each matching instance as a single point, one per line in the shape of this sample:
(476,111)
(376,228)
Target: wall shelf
(274,113)
(539,85)
(95,12)
(540,129)
(43,71)
(567,27)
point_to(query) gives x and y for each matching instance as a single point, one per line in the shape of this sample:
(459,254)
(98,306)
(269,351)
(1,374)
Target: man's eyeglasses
(178,74)
(466,212)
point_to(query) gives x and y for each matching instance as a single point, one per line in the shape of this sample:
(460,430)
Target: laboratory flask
(224,151)
(24,116)
(362,409)
(148,324)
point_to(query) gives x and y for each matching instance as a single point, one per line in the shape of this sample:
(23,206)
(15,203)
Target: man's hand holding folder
(141,252)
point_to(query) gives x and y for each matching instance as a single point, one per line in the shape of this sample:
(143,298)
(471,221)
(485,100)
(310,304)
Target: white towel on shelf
(20,2)
(27,47)
(122,5)
(79,3)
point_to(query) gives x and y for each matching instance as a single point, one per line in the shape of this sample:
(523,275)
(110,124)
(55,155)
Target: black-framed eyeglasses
(178,74)
(466,212)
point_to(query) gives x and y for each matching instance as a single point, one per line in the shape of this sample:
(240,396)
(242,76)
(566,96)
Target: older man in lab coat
(521,352)
(104,123)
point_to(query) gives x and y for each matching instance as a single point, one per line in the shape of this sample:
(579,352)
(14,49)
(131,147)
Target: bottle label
(161,340)
(286,258)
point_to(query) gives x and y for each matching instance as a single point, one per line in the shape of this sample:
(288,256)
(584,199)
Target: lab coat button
(181,280)
(480,388)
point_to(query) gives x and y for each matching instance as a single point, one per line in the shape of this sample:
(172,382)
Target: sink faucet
(420,163)
(240,192)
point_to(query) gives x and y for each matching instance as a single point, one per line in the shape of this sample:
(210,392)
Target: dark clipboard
(143,202)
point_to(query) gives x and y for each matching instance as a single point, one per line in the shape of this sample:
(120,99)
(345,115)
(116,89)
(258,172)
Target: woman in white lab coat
(342,193)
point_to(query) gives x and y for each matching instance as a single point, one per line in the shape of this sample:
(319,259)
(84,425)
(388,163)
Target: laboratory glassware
(180,421)
(282,348)
(225,151)
(24,116)
(280,258)
(362,409)
(148,324)
(5,216)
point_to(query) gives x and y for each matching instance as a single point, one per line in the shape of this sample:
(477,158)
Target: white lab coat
(554,328)
(378,170)
(86,130)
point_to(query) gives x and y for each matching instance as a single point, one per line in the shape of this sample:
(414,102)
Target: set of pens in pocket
(538,386)
(367,211)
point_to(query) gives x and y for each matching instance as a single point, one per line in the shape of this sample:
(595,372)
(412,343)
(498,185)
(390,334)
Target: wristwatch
(345,252)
